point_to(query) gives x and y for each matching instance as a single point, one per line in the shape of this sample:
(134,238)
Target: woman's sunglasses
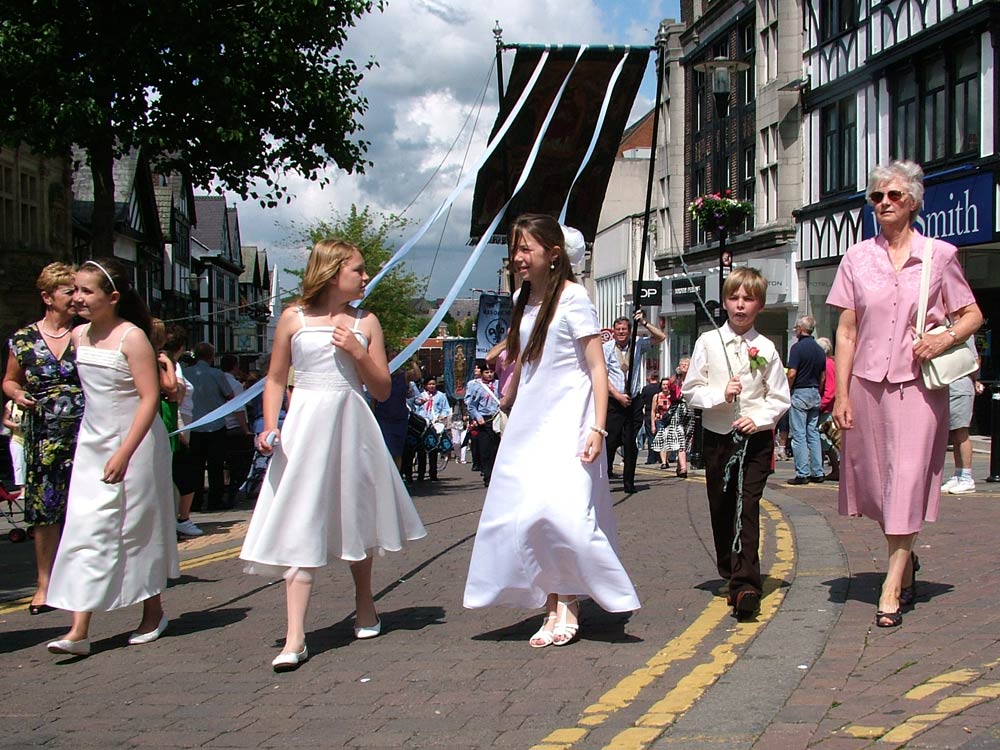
(895,196)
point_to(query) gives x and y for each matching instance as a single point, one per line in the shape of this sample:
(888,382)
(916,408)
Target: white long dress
(119,544)
(548,526)
(331,488)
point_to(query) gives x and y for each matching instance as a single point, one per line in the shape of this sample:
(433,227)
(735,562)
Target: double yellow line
(675,702)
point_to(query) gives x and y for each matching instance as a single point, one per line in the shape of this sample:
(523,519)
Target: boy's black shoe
(817,480)
(747,603)
(798,480)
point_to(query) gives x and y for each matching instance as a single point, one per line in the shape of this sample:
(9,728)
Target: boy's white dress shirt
(765,396)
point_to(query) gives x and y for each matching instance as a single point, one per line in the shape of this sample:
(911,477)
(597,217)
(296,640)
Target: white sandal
(543,635)
(566,632)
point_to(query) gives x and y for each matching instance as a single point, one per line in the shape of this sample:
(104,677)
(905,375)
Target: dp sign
(647,293)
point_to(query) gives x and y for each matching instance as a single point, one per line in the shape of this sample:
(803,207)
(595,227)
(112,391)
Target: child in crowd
(736,377)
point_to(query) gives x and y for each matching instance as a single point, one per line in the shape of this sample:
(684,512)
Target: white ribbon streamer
(470,264)
(227,408)
(597,132)
(464,183)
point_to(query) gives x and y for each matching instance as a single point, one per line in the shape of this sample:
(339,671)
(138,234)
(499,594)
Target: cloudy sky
(434,59)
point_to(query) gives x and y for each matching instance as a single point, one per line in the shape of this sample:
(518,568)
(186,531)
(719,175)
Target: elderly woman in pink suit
(894,428)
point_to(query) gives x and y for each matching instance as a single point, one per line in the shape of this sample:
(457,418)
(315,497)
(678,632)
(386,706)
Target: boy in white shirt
(741,401)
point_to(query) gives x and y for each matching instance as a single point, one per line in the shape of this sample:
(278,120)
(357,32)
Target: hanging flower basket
(717,212)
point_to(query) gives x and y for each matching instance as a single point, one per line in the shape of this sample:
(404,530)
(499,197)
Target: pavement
(811,671)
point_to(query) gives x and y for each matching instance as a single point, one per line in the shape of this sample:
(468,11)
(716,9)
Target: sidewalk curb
(797,635)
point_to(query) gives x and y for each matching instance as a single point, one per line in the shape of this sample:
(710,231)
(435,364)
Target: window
(769,39)
(965,111)
(8,204)
(836,17)
(30,226)
(769,174)
(839,144)
(936,105)
(748,176)
(749,78)
(699,187)
(698,100)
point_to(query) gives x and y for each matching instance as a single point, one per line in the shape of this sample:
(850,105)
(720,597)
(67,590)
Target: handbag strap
(925,283)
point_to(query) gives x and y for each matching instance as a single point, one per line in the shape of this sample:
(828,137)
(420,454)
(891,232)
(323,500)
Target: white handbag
(952,364)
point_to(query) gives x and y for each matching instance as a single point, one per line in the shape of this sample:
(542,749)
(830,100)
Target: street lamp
(720,71)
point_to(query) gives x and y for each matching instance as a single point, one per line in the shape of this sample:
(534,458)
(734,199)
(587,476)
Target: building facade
(902,80)
(746,143)
(217,263)
(35,229)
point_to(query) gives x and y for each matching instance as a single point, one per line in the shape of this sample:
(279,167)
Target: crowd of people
(109,483)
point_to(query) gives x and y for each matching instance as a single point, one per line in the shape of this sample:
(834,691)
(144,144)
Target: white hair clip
(575,246)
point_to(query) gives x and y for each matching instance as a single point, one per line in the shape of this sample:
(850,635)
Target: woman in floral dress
(41,378)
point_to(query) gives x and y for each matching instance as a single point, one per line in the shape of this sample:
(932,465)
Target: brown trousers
(741,570)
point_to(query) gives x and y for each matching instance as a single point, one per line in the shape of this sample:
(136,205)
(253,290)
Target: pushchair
(258,466)
(12,508)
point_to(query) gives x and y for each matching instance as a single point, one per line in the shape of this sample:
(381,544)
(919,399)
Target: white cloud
(434,57)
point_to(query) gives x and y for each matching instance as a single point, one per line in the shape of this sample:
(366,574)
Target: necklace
(54,335)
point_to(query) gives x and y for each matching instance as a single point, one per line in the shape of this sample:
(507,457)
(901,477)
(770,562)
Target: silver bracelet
(595,428)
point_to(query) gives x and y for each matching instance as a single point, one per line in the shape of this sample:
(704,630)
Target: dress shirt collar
(729,335)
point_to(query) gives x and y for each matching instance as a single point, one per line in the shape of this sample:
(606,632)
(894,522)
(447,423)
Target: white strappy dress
(119,544)
(331,488)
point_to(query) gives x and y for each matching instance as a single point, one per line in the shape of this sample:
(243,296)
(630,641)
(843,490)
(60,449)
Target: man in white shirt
(624,418)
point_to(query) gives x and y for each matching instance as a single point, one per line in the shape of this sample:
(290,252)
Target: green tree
(231,93)
(468,327)
(392,299)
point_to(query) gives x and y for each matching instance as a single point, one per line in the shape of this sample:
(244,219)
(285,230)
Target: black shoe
(747,603)
(39,609)
(477,467)
(630,489)
(817,480)
(798,480)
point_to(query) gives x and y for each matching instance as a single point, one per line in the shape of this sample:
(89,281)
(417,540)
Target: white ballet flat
(289,661)
(372,631)
(73,648)
(137,639)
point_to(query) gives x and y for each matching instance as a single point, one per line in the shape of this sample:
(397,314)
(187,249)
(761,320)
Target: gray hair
(807,322)
(825,344)
(909,172)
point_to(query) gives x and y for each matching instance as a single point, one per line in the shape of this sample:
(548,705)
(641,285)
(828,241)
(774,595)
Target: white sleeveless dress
(548,526)
(331,488)
(119,544)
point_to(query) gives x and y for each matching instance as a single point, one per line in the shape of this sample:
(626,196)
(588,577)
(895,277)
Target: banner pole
(649,200)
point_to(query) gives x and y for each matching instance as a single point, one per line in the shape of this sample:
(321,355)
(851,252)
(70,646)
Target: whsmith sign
(958,211)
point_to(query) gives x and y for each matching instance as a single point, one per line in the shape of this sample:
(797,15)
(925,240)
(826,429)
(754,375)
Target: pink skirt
(893,457)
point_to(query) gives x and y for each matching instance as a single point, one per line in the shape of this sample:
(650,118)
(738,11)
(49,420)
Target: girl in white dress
(547,535)
(331,488)
(119,546)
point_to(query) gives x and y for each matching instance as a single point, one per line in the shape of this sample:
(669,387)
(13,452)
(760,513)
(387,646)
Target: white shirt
(187,403)
(231,422)
(765,395)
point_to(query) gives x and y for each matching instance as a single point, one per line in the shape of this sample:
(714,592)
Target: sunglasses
(895,196)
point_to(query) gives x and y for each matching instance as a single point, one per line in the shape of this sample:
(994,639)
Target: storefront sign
(958,211)
(648,293)
(683,290)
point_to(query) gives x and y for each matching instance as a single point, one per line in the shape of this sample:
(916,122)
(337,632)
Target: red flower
(753,351)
